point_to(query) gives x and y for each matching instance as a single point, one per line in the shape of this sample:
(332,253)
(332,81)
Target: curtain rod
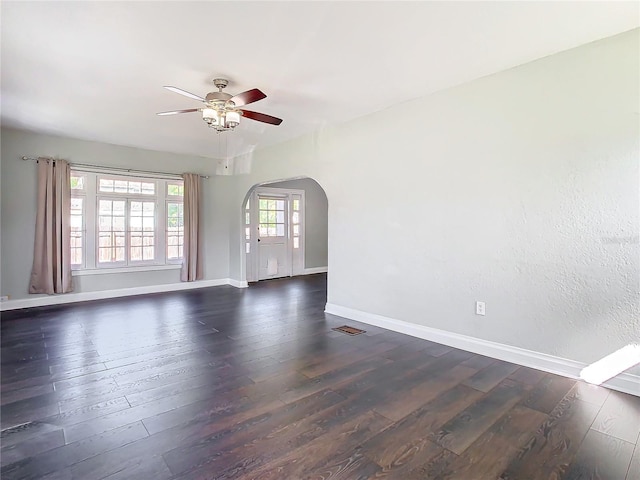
(128,170)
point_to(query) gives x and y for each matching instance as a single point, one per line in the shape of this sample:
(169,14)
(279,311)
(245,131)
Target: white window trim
(107,271)
(172,199)
(82,194)
(92,196)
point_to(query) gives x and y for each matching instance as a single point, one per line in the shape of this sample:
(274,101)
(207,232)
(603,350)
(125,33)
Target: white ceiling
(95,70)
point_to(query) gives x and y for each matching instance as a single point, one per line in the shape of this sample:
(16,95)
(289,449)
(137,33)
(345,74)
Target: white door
(274,240)
(273,237)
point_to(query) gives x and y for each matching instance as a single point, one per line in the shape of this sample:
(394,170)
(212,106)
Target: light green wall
(316,220)
(519,189)
(19,206)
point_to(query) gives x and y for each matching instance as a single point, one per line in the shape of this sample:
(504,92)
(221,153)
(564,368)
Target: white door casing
(274,233)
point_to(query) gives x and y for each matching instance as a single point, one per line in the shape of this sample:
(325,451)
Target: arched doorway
(285,229)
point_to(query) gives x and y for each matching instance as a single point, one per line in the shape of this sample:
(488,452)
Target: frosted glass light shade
(233,119)
(210,115)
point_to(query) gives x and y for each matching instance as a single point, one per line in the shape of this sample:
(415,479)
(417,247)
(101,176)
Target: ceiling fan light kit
(221,120)
(221,110)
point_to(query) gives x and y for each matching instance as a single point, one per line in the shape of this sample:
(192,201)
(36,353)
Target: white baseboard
(624,382)
(45,300)
(312,270)
(238,283)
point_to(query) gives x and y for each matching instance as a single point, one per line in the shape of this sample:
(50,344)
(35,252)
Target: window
(271,213)
(126,186)
(175,220)
(247,227)
(77,220)
(175,189)
(111,231)
(295,221)
(175,230)
(125,221)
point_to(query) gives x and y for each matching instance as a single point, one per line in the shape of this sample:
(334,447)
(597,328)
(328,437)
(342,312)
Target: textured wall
(520,189)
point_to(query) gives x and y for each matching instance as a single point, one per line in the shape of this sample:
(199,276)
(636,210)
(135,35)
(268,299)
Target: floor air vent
(348,330)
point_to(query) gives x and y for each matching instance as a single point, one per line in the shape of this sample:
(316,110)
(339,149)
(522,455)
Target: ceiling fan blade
(184,92)
(261,117)
(245,98)
(174,112)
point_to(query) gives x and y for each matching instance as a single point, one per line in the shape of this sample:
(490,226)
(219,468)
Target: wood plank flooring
(226,383)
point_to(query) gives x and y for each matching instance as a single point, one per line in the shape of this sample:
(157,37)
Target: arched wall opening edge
(241,239)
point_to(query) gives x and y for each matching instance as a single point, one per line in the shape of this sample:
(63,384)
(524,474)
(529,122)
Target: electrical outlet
(4,298)
(479,308)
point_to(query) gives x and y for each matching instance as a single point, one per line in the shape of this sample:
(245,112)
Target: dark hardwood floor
(226,383)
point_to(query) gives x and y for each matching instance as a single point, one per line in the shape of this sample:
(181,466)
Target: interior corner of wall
(224,166)
(242,163)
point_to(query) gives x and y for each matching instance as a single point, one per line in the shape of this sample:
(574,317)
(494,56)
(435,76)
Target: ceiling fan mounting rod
(220,83)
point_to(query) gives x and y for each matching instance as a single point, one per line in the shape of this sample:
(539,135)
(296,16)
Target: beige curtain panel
(51,272)
(192,265)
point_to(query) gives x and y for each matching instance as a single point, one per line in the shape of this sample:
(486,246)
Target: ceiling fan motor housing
(217,97)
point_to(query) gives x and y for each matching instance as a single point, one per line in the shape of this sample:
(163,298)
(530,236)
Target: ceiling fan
(221,110)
